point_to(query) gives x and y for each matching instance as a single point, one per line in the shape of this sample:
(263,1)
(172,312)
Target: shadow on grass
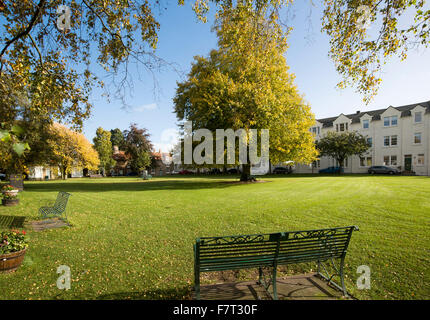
(11,222)
(192,182)
(79,186)
(182,293)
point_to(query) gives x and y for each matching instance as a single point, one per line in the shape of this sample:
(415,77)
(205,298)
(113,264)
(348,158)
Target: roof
(376,114)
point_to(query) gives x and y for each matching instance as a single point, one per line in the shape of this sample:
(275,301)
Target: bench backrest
(61,202)
(247,251)
(314,245)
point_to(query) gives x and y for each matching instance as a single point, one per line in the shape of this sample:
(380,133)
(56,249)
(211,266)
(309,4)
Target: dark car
(383,169)
(282,170)
(2,176)
(132,174)
(331,170)
(233,171)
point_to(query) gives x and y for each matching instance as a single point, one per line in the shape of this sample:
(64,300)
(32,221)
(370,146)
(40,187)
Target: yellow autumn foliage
(72,149)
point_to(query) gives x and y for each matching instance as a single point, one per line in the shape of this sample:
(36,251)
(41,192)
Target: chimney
(357,112)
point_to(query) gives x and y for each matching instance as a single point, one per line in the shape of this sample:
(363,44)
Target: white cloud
(145,107)
(169,138)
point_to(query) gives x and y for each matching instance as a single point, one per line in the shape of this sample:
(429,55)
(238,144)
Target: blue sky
(182,37)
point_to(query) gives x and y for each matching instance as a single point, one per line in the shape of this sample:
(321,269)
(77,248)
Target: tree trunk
(63,172)
(341,161)
(246,173)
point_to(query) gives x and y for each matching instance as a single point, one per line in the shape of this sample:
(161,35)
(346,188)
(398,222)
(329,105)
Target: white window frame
(386,163)
(390,160)
(389,139)
(397,140)
(421,137)
(418,157)
(366,161)
(366,121)
(390,121)
(387,125)
(421,117)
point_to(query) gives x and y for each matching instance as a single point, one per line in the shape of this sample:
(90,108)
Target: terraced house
(399,137)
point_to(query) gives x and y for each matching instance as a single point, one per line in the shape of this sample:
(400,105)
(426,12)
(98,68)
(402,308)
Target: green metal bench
(59,206)
(271,250)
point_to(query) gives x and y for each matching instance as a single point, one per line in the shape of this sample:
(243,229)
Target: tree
(71,149)
(103,145)
(360,54)
(117,138)
(52,65)
(138,146)
(245,84)
(342,145)
(23,145)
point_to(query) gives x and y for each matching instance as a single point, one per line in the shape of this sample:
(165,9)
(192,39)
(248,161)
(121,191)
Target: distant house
(43,172)
(52,172)
(122,159)
(162,163)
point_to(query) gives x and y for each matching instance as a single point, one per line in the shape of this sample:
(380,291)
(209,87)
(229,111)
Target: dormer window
(390,121)
(342,127)
(365,124)
(418,117)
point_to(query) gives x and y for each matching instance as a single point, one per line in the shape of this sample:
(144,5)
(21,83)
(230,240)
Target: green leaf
(17,129)
(20,147)
(4,135)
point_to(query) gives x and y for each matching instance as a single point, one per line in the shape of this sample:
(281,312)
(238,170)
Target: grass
(133,239)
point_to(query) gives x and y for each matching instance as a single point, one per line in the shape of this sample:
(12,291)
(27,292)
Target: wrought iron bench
(59,206)
(271,250)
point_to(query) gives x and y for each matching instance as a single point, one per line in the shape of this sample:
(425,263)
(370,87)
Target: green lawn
(134,239)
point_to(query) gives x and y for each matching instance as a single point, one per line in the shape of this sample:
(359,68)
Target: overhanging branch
(23,33)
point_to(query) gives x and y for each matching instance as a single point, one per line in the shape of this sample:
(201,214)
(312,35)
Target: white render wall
(405,131)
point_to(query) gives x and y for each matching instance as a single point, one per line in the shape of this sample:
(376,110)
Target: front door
(408,162)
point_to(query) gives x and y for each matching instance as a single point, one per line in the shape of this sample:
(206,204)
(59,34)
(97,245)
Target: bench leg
(341,274)
(275,292)
(197,284)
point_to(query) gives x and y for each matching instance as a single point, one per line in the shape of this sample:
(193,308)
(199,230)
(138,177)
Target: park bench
(272,250)
(59,206)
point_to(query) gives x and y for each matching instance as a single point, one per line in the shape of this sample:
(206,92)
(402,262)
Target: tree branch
(23,33)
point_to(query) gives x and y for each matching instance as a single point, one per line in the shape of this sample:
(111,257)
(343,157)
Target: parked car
(233,171)
(2,176)
(185,172)
(282,170)
(132,174)
(383,169)
(331,170)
